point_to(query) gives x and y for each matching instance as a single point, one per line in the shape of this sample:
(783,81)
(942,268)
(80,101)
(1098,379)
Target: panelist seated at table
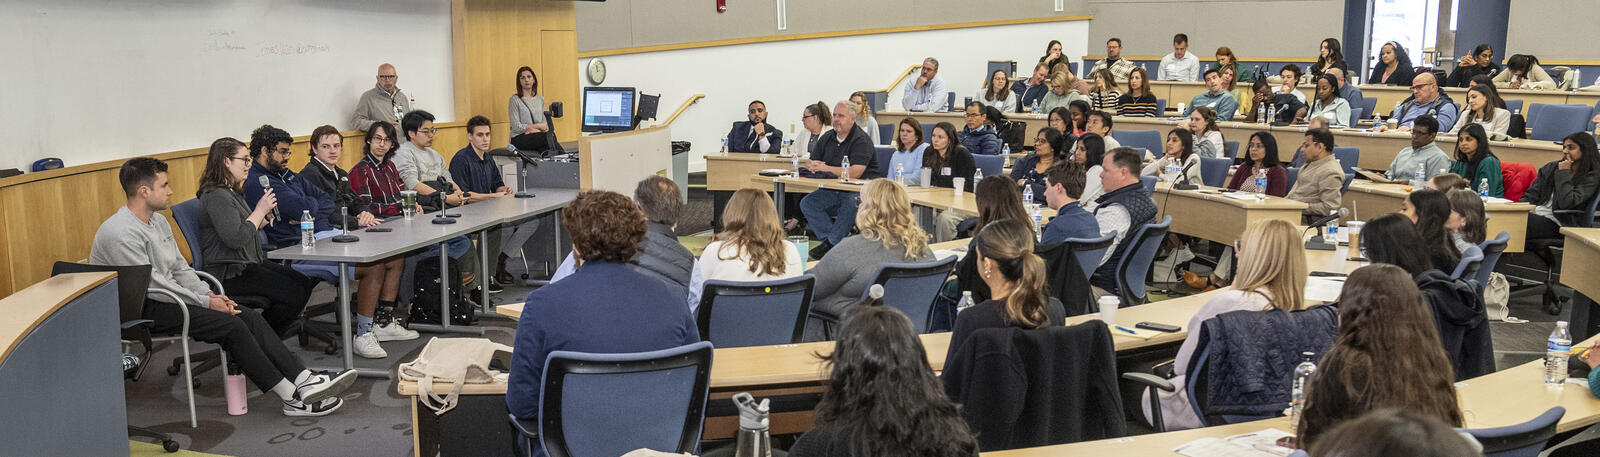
(421,168)
(980,135)
(138,234)
(927,92)
(1064,183)
(1422,156)
(237,260)
(606,306)
(1386,356)
(1565,185)
(1179,65)
(1018,291)
(754,134)
(1215,97)
(1321,181)
(1178,163)
(889,234)
(476,172)
(1476,164)
(832,213)
(1426,99)
(903,411)
(1030,92)
(1125,207)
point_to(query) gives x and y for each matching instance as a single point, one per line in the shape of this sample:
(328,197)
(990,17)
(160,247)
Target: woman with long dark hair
(1430,211)
(1475,163)
(997,93)
(1393,67)
(1017,285)
(1459,316)
(1468,226)
(1484,108)
(1261,154)
(1387,356)
(1178,162)
(1480,62)
(1138,101)
(948,158)
(906,161)
(883,399)
(1090,153)
(1052,55)
(1049,147)
(1566,184)
(526,110)
(1329,55)
(1327,104)
(1523,72)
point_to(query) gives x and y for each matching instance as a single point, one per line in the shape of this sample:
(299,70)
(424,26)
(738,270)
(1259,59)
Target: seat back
(1149,140)
(1517,176)
(187,215)
(1283,336)
(1491,250)
(911,287)
(1348,177)
(886,133)
(1369,104)
(1521,440)
(1355,116)
(1161,107)
(1471,262)
(1349,157)
(1592,123)
(1090,250)
(1063,390)
(1149,183)
(1514,106)
(1135,264)
(1292,173)
(610,404)
(884,154)
(1230,149)
(989,165)
(1214,172)
(133,285)
(1587,219)
(1555,122)
(761,313)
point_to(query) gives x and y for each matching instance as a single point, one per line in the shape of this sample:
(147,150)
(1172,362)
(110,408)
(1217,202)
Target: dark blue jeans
(831,213)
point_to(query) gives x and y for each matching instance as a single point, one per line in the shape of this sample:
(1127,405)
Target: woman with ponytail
(1016,280)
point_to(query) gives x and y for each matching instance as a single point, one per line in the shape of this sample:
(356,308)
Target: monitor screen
(607,109)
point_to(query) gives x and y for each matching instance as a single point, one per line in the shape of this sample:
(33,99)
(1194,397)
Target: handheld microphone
(265,185)
(1182,183)
(1318,243)
(444,216)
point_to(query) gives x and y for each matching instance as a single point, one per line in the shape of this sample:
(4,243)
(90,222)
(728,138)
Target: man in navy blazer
(755,134)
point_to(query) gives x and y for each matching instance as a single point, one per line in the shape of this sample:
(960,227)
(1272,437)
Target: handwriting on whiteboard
(291,49)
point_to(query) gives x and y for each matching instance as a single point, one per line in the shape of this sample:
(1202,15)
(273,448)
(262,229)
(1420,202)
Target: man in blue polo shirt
(831,213)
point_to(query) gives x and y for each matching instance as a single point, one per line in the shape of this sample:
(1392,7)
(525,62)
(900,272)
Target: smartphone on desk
(1157,326)
(379,229)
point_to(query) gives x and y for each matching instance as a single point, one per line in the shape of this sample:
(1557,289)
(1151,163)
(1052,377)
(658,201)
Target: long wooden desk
(1177,91)
(732,171)
(1367,200)
(1214,216)
(1580,263)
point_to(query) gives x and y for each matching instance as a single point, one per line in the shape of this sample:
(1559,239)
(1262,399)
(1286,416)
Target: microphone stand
(1182,183)
(444,216)
(344,227)
(522,169)
(1318,242)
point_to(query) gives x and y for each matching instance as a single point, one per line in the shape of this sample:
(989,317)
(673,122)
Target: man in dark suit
(755,134)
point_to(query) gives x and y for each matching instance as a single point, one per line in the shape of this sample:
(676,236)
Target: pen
(1125,330)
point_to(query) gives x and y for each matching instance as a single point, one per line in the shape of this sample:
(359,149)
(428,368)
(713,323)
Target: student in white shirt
(927,92)
(751,247)
(1180,65)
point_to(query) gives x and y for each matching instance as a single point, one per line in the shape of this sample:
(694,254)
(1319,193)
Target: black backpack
(425,303)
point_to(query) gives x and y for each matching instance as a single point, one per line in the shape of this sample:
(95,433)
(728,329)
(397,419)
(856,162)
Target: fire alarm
(722,6)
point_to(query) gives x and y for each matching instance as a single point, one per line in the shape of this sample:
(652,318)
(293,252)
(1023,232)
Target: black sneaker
(495,288)
(297,408)
(820,250)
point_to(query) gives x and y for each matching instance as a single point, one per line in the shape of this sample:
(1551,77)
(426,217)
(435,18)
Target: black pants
(1542,227)
(247,338)
(286,289)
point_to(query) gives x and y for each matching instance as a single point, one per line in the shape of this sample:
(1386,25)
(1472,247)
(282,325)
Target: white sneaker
(297,408)
(393,332)
(366,345)
(319,387)
(1182,255)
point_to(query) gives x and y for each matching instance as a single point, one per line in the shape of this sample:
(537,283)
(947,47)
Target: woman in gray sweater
(229,242)
(889,234)
(526,108)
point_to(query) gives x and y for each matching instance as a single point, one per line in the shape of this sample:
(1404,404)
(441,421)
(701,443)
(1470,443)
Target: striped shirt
(1105,101)
(1145,106)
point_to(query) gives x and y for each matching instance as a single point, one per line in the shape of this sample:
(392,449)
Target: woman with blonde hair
(1271,276)
(889,234)
(864,117)
(751,246)
(1063,89)
(1016,280)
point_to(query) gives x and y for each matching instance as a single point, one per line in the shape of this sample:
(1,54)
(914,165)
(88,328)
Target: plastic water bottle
(788,147)
(1297,390)
(754,438)
(1027,196)
(1261,183)
(966,301)
(308,230)
(1576,80)
(724,145)
(1035,107)
(1261,113)
(977,175)
(1171,170)
(1038,219)
(1005,149)
(1419,179)
(1483,187)
(1555,356)
(795,161)
(900,175)
(1332,232)
(1272,113)
(844,172)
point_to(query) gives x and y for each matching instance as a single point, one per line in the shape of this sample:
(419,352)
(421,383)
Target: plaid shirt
(380,183)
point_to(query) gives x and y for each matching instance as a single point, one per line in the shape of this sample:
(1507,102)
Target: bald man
(384,103)
(1427,99)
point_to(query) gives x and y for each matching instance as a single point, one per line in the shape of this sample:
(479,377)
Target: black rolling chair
(1549,251)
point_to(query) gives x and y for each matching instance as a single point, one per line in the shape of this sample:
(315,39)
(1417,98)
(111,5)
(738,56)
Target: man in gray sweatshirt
(384,103)
(139,235)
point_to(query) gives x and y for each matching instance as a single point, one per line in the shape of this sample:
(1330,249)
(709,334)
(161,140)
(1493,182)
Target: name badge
(944,171)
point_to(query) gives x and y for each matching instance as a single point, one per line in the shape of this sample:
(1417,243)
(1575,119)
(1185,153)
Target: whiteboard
(97,80)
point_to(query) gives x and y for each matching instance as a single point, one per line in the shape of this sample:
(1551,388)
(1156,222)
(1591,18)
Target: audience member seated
(1476,163)
(883,399)
(905,164)
(1290,79)
(1125,207)
(1064,186)
(1429,210)
(1240,94)
(1105,94)
(239,261)
(1393,67)
(1483,109)
(1467,224)
(1049,147)
(997,199)
(1178,162)
(138,234)
(1030,92)
(1227,61)
(1328,104)
(1216,97)
(1089,154)
(1079,110)
(1387,356)
(1330,55)
(1099,123)
(1427,99)
(1423,153)
(1179,65)
(1261,95)
(1395,432)
(889,234)
(1262,152)
(1480,62)
(1321,182)
(1446,181)
(1114,62)
(1018,295)
(816,121)
(1139,101)
(1052,55)
(754,134)
(948,159)
(927,92)
(422,168)
(526,110)
(831,213)
(383,103)
(1457,309)
(1349,92)
(660,255)
(979,135)
(1062,89)
(1208,141)
(1566,184)
(589,312)
(1272,277)
(751,246)
(997,93)
(377,281)
(1061,120)
(864,117)
(1523,72)
(378,184)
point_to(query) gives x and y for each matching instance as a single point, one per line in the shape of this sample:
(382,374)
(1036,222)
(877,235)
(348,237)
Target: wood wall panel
(493,38)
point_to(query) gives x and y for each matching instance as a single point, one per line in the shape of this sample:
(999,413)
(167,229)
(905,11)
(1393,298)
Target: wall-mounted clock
(597,71)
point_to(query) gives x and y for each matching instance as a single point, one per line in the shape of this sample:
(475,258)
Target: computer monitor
(608,109)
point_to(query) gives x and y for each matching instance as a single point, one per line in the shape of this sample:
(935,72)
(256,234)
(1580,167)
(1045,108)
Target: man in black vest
(1125,207)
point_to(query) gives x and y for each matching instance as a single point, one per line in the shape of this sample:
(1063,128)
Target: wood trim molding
(1214,59)
(685,106)
(902,77)
(841,33)
(29,307)
(1570,63)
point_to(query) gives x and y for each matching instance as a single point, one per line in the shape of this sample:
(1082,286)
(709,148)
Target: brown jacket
(1319,185)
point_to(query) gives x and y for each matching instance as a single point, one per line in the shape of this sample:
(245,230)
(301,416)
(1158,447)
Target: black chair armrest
(1150,381)
(528,431)
(136,323)
(1166,370)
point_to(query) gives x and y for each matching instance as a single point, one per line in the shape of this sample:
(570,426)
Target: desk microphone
(523,173)
(344,227)
(1183,178)
(266,185)
(1318,243)
(444,216)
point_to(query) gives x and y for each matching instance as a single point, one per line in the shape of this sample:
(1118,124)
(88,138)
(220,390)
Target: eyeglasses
(1422,86)
(428,132)
(281,151)
(808,116)
(387,76)
(382,139)
(240,158)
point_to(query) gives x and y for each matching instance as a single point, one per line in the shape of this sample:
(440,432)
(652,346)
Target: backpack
(425,303)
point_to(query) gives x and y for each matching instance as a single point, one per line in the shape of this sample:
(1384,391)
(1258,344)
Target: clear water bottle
(1483,187)
(1576,79)
(1036,107)
(1331,231)
(977,175)
(1297,390)
(1171,170)
(900,174)
(724,145)
(788,147)
(1038,220)
(1005,149)
(1261,183)
(795,161)
(844,165)
(1272,113)
(1027,196)
(1419,179)
(308,230)
(966,301)
(1556,353)
(1261,113)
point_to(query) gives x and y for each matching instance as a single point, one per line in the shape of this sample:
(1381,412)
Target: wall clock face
(597,71)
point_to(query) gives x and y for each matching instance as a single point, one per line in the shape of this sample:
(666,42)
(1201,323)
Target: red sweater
(1277,179)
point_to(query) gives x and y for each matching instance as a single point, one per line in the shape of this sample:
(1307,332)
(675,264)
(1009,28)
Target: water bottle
(1576,80)
(234,390)
(1038,220)
(1261,183)
(1483,187)
(844,172)
(1332,232)
(1419,179)
(1555,356)
(900,174)
(1261,113)
(1005,149)
(966,301)
(754,439)
(1035,107)
(795,161)
(308,230)
(1171,170)
(1027,196)
(788,147)
(1297,390)
(1272,113)
(977,175)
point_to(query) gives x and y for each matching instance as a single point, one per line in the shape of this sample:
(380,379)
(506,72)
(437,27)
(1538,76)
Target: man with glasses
(1422,151)
(384,103)
(424,169)
(269,148)
(755,134)
(1119,66)
(927,93)
(1427,100)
